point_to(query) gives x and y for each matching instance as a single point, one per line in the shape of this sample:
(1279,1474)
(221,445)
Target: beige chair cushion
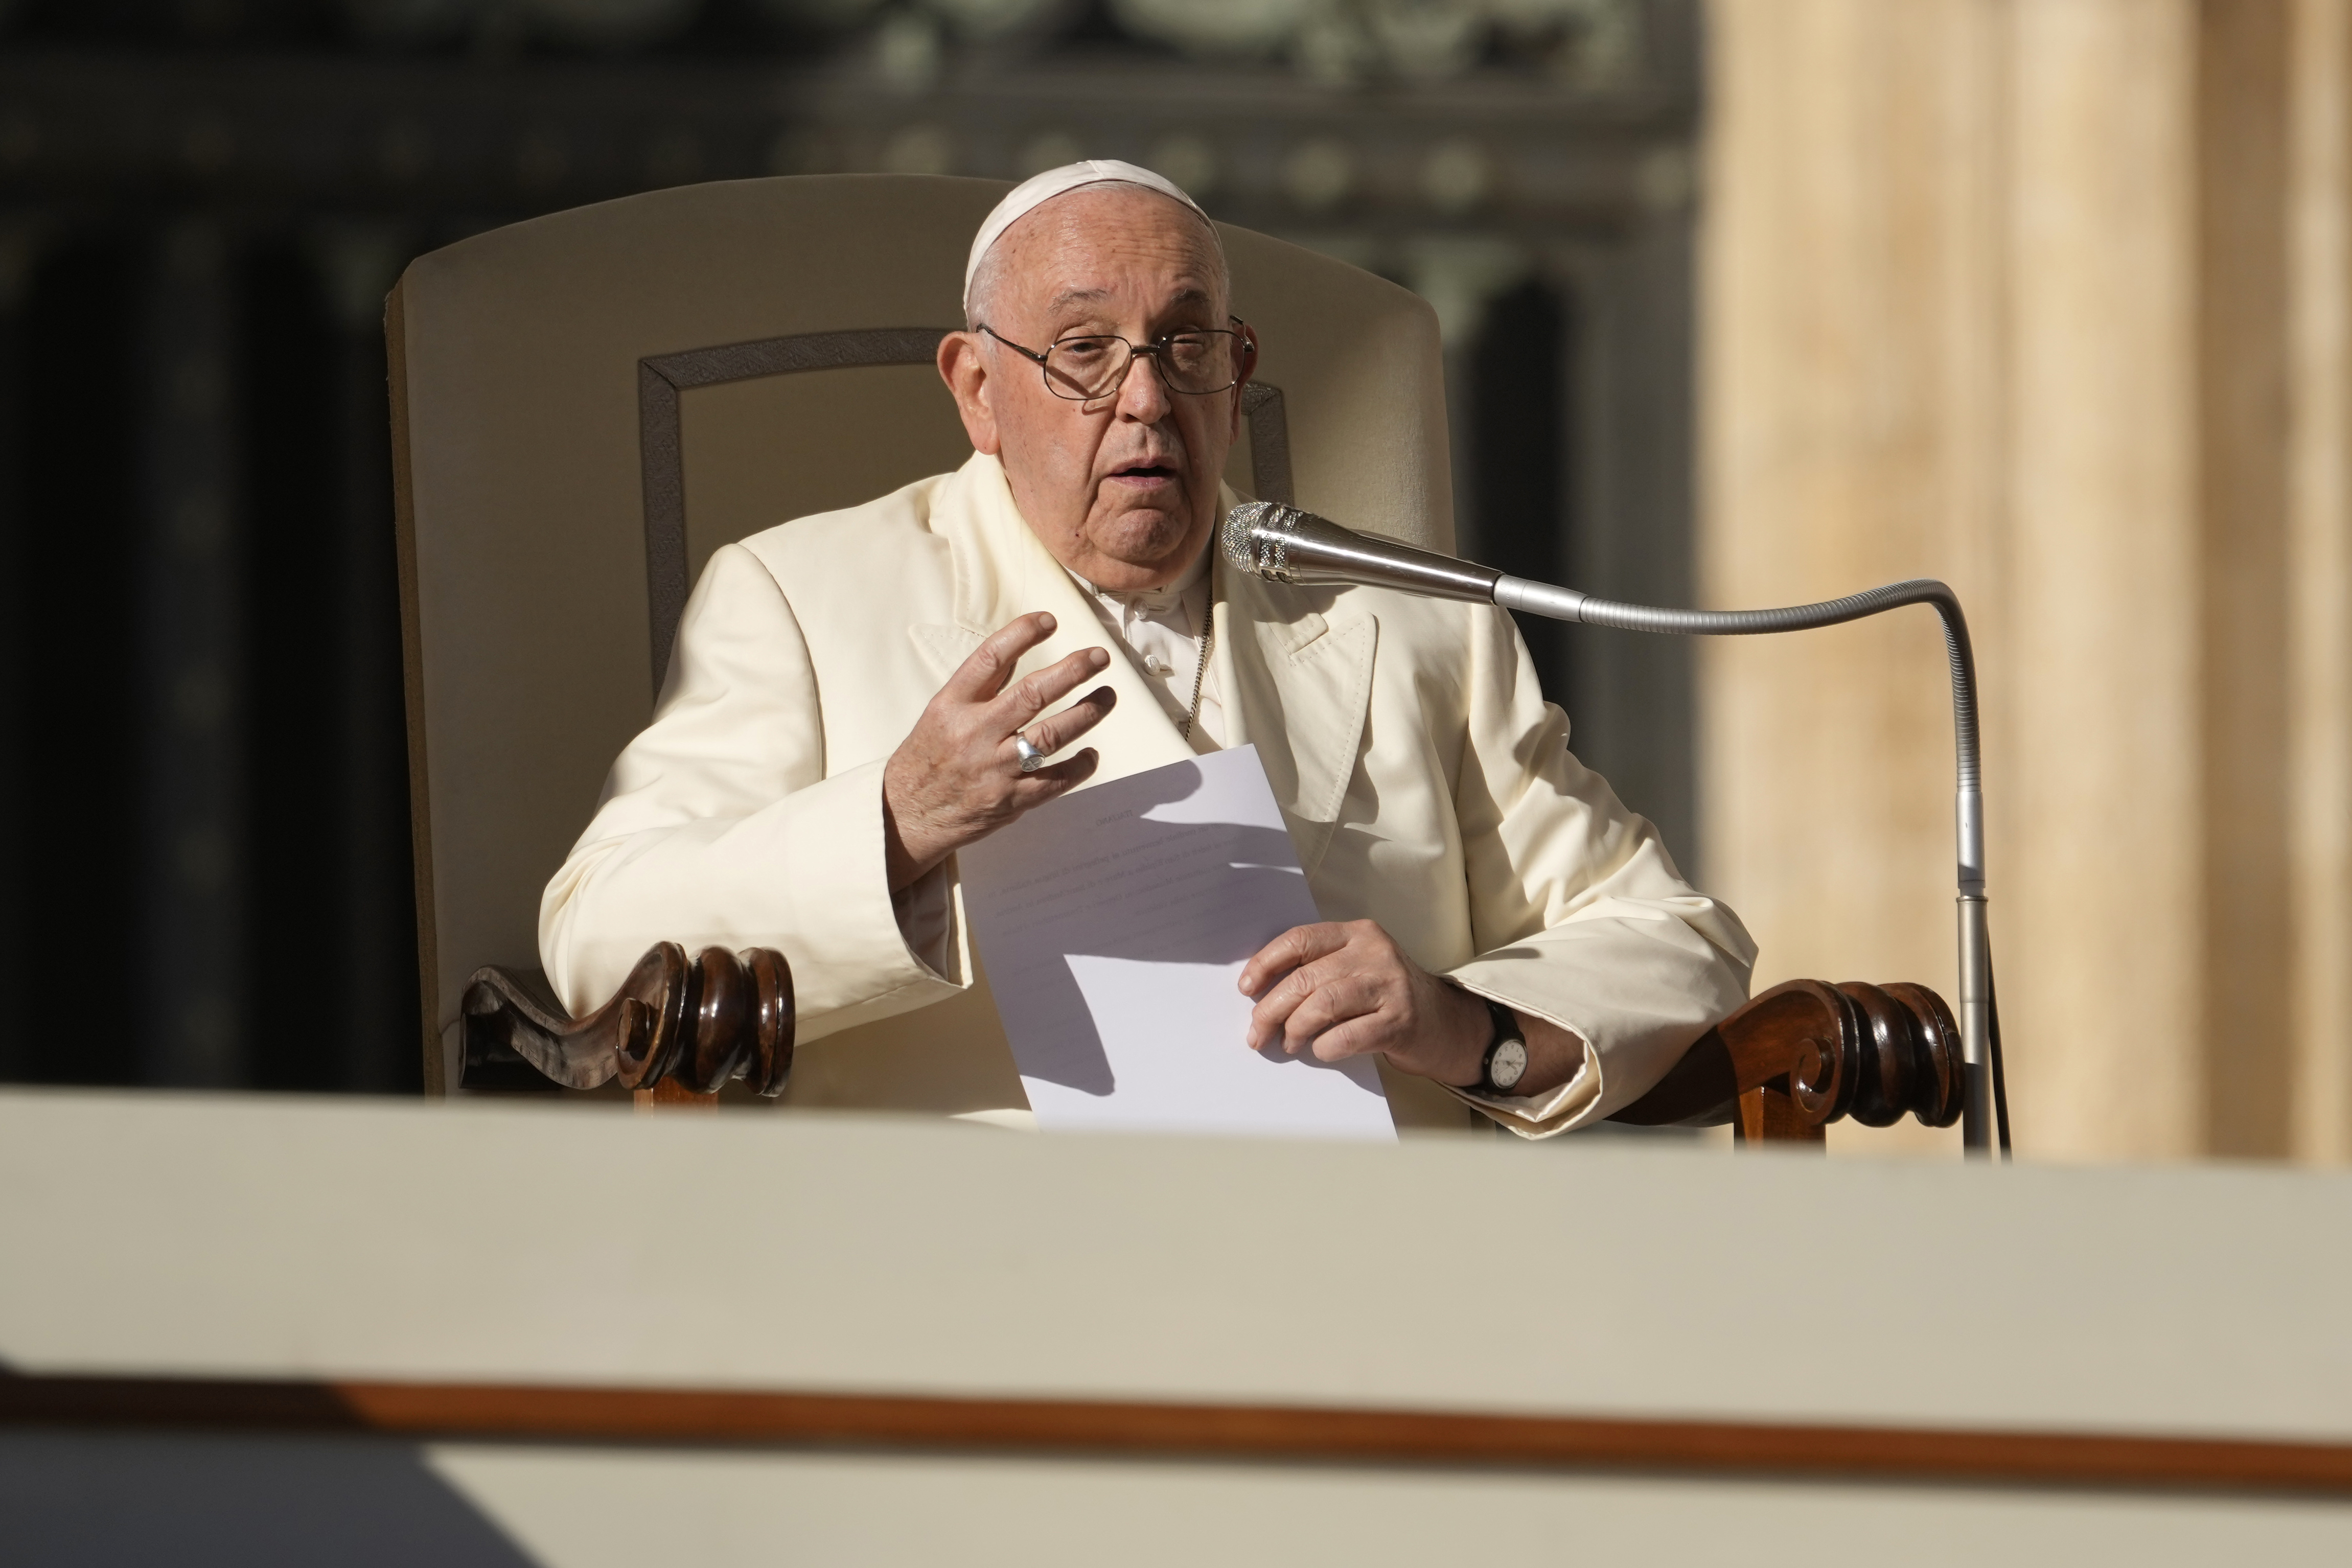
(585,406)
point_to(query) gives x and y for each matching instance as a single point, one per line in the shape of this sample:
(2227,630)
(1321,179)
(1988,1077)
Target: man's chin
(1146,539)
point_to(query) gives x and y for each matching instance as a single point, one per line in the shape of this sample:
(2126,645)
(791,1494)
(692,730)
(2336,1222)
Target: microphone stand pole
(1986,1115)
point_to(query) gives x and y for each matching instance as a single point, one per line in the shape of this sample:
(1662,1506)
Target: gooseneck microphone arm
(1288,545)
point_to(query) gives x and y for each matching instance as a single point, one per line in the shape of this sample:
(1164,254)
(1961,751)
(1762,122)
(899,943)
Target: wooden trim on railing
(1216,1431)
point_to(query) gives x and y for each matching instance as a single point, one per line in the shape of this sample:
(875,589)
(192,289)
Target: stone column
(1987,294)
(2099,763)
(2320,572)
(2243,305)
(2052,298)
(1852,432)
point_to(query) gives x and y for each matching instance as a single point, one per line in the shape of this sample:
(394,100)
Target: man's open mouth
(1144,471)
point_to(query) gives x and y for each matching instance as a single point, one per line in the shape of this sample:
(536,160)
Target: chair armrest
(1807,1053)
(695,1024)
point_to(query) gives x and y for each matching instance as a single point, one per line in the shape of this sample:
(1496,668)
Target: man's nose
(1143,395)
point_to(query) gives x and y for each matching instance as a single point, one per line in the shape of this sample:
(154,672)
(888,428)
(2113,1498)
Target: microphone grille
(1255,536)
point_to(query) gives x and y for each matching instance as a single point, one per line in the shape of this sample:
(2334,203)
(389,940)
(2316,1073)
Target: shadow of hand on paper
(1168,892)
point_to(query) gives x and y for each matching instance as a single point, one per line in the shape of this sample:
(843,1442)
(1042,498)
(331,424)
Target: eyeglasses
(1090,368)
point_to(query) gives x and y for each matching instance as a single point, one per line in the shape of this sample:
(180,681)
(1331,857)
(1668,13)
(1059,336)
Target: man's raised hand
(957,777)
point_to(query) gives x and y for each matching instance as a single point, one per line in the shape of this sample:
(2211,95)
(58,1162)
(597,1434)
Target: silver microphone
(1284,544)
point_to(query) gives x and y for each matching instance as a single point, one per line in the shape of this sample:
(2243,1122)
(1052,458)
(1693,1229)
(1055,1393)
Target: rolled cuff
(1545,1115)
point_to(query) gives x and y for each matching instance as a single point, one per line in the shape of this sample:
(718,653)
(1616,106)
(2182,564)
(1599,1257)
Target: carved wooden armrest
(697,1025)
(1806,1053)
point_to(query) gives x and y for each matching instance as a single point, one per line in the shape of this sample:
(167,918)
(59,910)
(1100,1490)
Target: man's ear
(1249,369)
(965,370)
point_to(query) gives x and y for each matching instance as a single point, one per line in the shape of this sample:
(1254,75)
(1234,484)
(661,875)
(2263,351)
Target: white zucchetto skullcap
(1038,189)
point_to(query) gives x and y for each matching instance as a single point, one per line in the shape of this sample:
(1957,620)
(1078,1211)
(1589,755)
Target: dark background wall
(203,867)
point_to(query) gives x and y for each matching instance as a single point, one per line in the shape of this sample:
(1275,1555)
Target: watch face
(1510,1061)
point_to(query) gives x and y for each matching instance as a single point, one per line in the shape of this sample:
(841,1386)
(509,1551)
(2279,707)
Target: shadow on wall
(81,1499)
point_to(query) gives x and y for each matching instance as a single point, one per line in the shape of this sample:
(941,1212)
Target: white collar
(1155,601)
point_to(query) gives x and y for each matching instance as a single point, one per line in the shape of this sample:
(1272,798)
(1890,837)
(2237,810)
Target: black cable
(1992,1050)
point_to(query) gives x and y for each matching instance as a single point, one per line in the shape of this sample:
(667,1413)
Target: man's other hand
(957,778)
(1341,990)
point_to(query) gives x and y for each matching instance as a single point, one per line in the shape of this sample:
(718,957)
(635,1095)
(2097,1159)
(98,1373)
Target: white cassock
(1426,782)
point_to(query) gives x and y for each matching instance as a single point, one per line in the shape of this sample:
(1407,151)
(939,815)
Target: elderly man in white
(854,697)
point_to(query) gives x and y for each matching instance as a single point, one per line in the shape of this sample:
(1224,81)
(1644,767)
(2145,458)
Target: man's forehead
(1073,247)
(1190,291)
(1111,218)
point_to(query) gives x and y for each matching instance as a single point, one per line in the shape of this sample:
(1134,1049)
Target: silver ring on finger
(1032,759)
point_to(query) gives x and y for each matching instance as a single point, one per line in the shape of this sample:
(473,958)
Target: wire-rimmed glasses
(1087,367)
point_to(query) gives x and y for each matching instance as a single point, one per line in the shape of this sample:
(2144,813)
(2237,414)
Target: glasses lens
(1199,362)
(1085,367)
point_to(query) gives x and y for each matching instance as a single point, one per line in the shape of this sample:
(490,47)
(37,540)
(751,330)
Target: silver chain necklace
(1201,669)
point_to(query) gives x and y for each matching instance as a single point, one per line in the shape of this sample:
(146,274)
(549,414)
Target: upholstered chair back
(586,405)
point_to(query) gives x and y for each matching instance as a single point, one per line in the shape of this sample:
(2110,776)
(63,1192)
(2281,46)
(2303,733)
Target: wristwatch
(1507,1053)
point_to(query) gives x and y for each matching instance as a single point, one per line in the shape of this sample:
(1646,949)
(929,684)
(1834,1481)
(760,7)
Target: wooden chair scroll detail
(1806,1053)
(674,1025)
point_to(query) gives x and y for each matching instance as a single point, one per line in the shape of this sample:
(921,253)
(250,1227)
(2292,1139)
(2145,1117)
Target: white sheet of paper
(1114,924)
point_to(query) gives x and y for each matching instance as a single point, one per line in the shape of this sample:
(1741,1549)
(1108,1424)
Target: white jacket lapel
(1296,684)
(1304,685)
(944,647)
(1001,571)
